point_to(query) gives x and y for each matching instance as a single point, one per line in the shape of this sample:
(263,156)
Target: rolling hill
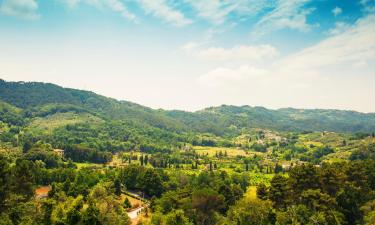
(27,100)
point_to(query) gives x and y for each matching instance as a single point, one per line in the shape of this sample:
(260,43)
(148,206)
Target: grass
(251,193)
(51,122)
(211,151)
(84,165)
(133,201)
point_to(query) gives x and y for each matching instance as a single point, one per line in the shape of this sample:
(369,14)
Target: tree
(177,217)
(278,168)
(262,191)
(279,191)
(206,202)
(47,207)
(26,146)
(5,181)
(149,181)
(302,178)
(91,215)
(24,178)
(73,215)
(141,160)
(228,194)
(251,212)
(127,204)
(117,185)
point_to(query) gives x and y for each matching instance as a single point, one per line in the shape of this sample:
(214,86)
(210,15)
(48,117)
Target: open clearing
(211,151)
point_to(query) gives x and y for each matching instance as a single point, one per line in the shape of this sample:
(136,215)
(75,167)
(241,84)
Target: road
(134,213)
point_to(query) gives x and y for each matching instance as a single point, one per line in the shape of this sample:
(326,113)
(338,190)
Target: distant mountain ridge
(37,98)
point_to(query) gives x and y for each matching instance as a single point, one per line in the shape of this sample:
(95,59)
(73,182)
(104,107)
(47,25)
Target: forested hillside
(229,119)
(40,99)
(74,157)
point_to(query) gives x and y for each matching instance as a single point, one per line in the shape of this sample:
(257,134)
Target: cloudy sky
(190,54)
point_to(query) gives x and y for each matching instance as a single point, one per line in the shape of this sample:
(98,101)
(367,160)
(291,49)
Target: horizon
(206,107)
(190,55)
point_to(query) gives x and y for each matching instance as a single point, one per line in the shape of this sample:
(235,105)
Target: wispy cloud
(217,11)
(339,28)
(353,45)
(161,9)
(223,76)
(336,11)
(342,58)
(114,5)
(239,52)
(290,14)
(24,9)
(368,5)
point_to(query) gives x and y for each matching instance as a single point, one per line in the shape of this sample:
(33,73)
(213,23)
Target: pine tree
(141,160)
(117,185)
(127,204)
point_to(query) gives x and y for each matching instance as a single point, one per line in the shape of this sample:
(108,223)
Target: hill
(234,119)
(37,99)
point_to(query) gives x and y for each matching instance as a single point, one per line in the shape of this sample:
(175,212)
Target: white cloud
(214,11)
(160,9)
(24,9)
(217,11)
(119,7)
(114,5)
(355,44)
(333,73)
(226,76)
(189,47)
(236,53)
(336,11)
(339,28)
(241,52)
(368,5)
(290,14)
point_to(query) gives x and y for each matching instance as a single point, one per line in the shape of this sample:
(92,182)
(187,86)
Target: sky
(192,54)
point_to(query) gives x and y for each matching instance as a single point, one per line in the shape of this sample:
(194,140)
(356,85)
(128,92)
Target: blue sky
(192,54)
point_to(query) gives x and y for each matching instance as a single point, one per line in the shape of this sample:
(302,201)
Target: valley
(74,157)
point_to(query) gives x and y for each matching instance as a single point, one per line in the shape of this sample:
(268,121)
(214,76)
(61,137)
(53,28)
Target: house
(59,152)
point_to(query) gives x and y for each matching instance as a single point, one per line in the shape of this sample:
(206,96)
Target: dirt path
(134,213)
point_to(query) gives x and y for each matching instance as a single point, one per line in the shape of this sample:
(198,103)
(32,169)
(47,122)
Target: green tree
(5,181)
(127,204)
(91,215)
(262,191)
(141,159)
(117,185)
(206,202)
(279,191)
(251,212)
(176,217)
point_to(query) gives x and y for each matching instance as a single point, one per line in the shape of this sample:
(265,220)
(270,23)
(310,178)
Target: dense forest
(74,157)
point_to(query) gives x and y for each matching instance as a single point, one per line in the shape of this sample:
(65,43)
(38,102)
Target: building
(59,152)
